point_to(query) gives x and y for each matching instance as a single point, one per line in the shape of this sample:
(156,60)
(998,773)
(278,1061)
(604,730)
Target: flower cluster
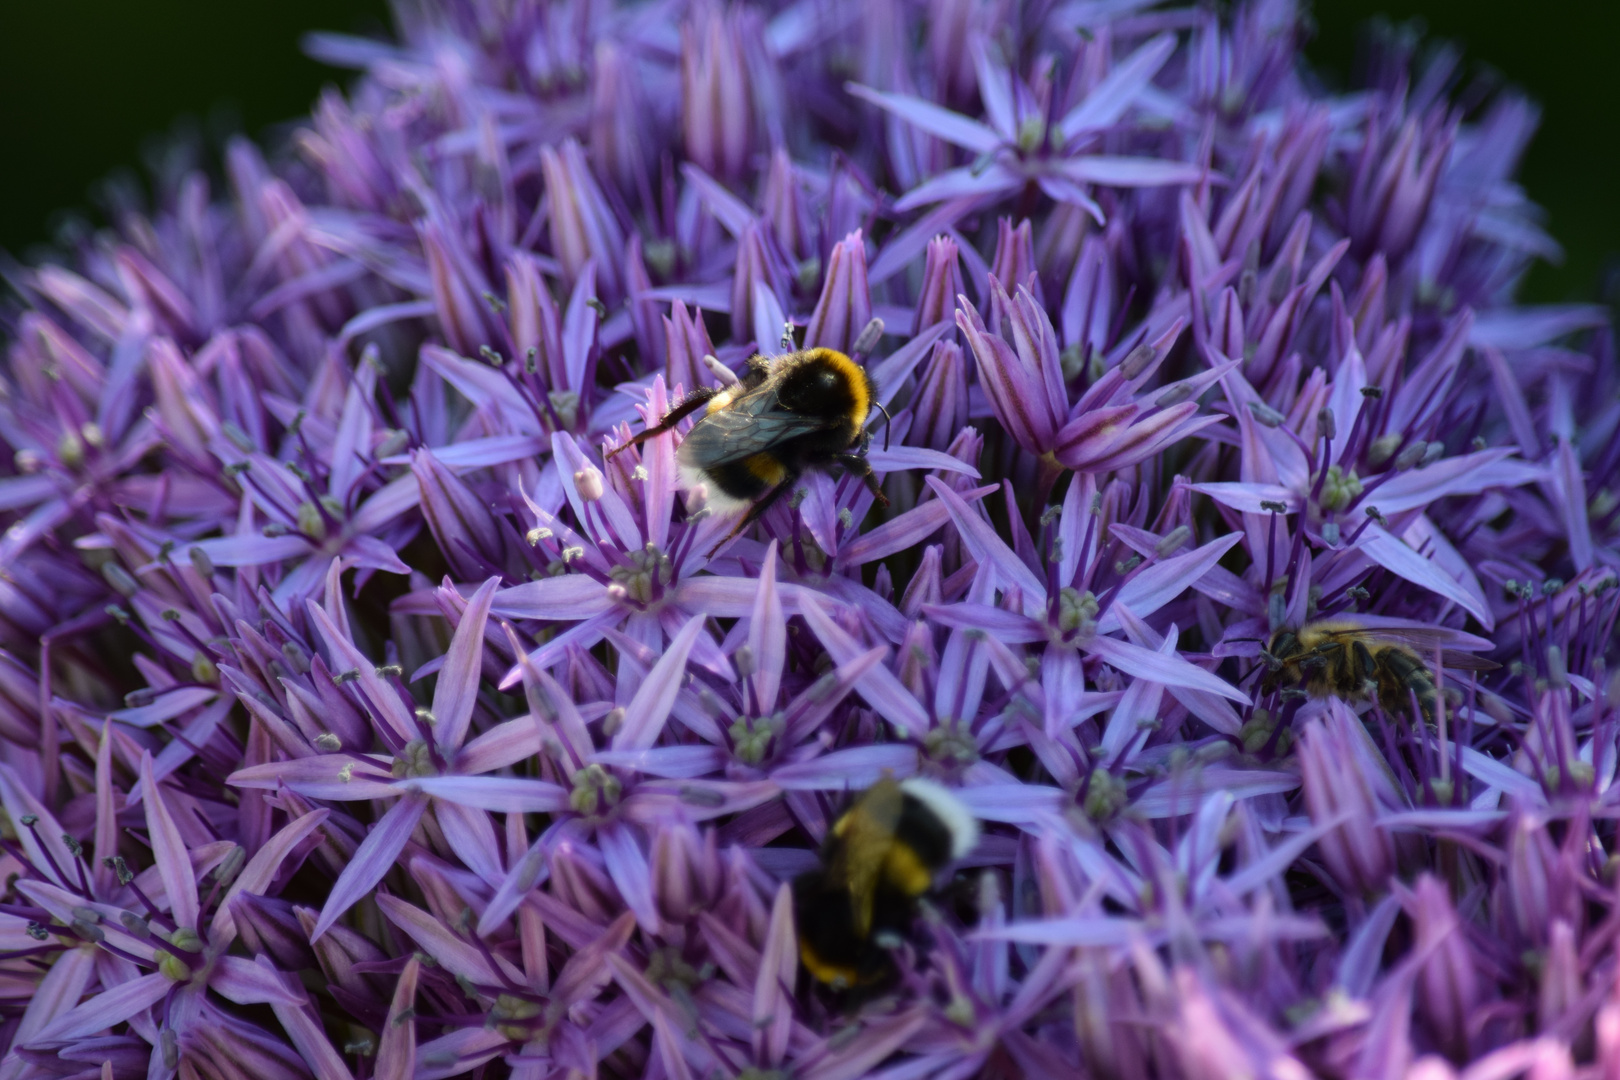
(359,716)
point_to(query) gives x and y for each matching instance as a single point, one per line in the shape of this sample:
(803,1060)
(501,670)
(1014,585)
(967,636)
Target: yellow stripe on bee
(861,402)
(837,976)
(720,401)
(906,872)
(766,468)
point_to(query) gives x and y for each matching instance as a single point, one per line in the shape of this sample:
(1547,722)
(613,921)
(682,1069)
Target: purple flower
(1174,350)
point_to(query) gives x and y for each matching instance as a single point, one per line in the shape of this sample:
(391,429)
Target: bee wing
(1420,635)
(1462,661)
(1424,641)
(866,833)
(754,422)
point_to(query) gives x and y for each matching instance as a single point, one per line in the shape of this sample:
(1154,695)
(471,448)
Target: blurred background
(86,86)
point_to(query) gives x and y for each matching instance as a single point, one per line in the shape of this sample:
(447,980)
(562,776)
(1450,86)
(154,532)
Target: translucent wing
(754,422)
(865,834)
(1425,640)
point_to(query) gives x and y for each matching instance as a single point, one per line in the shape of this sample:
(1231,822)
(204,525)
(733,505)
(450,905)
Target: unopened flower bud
(719,369)
(1411,455)
(1383,448)
(1173,541)
(589,483)
(869,337)
(119,579)
(1137,360)
(1265,415)
(393,443)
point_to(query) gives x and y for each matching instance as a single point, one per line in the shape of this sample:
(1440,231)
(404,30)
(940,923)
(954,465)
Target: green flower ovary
(595,790)
(511,1016)
(310,522)
(415,759)
(1077,611)
(951,743)
(1340,488)
(752,737)
(647,569)
(1105,795)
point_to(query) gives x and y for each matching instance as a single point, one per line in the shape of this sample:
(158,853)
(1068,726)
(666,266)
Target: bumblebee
(1346,659)
(879,858)
(757,436)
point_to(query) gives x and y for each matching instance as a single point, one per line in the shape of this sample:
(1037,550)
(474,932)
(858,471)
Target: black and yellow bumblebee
(757,436)
(879,858)
(1347,659)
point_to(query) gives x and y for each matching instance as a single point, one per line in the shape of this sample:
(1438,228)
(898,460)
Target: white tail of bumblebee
(951,811)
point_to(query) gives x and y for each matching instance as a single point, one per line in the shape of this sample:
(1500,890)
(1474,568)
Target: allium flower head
(361,716)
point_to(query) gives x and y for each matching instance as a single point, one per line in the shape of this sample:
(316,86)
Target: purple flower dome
(1247,562)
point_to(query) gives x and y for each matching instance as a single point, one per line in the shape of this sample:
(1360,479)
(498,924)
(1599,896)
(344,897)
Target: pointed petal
(525,873)
(471,835)
(988,549)
(773,986)
(43,843)
(261,870)
(626,864)
(396,1056)
(372,859)
(1110,98)
(499,794)
(569,597)
(502,745)
(307,1035)
(169,851)
(241,980)
(866,1051)
(963,183)
(878,686)
(645,715)
(902,458)
(1127,171)
(453,953)
(848,770)
(381,696)
(767,636)
(59,991)
(1393,555)
(951,126)
(457,691)
(1468,474)
(1162,582)
(324,776)
(108,1008)
(1005,626)
(1165,670)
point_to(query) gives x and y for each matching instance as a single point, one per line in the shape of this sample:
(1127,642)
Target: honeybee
(879,858)
(1358,662)
(806,410)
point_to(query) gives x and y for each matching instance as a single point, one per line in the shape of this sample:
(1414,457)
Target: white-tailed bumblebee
(1343,658)
(806,410)
(879,858)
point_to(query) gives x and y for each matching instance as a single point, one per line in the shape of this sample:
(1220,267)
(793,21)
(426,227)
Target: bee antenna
(887,420)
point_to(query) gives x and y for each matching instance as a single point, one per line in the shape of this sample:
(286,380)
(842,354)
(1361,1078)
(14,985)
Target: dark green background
(84,84)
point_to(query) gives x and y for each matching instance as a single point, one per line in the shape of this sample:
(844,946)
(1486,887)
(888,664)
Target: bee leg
(688,405)
(857,464)
(1365,669)
(755,512)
